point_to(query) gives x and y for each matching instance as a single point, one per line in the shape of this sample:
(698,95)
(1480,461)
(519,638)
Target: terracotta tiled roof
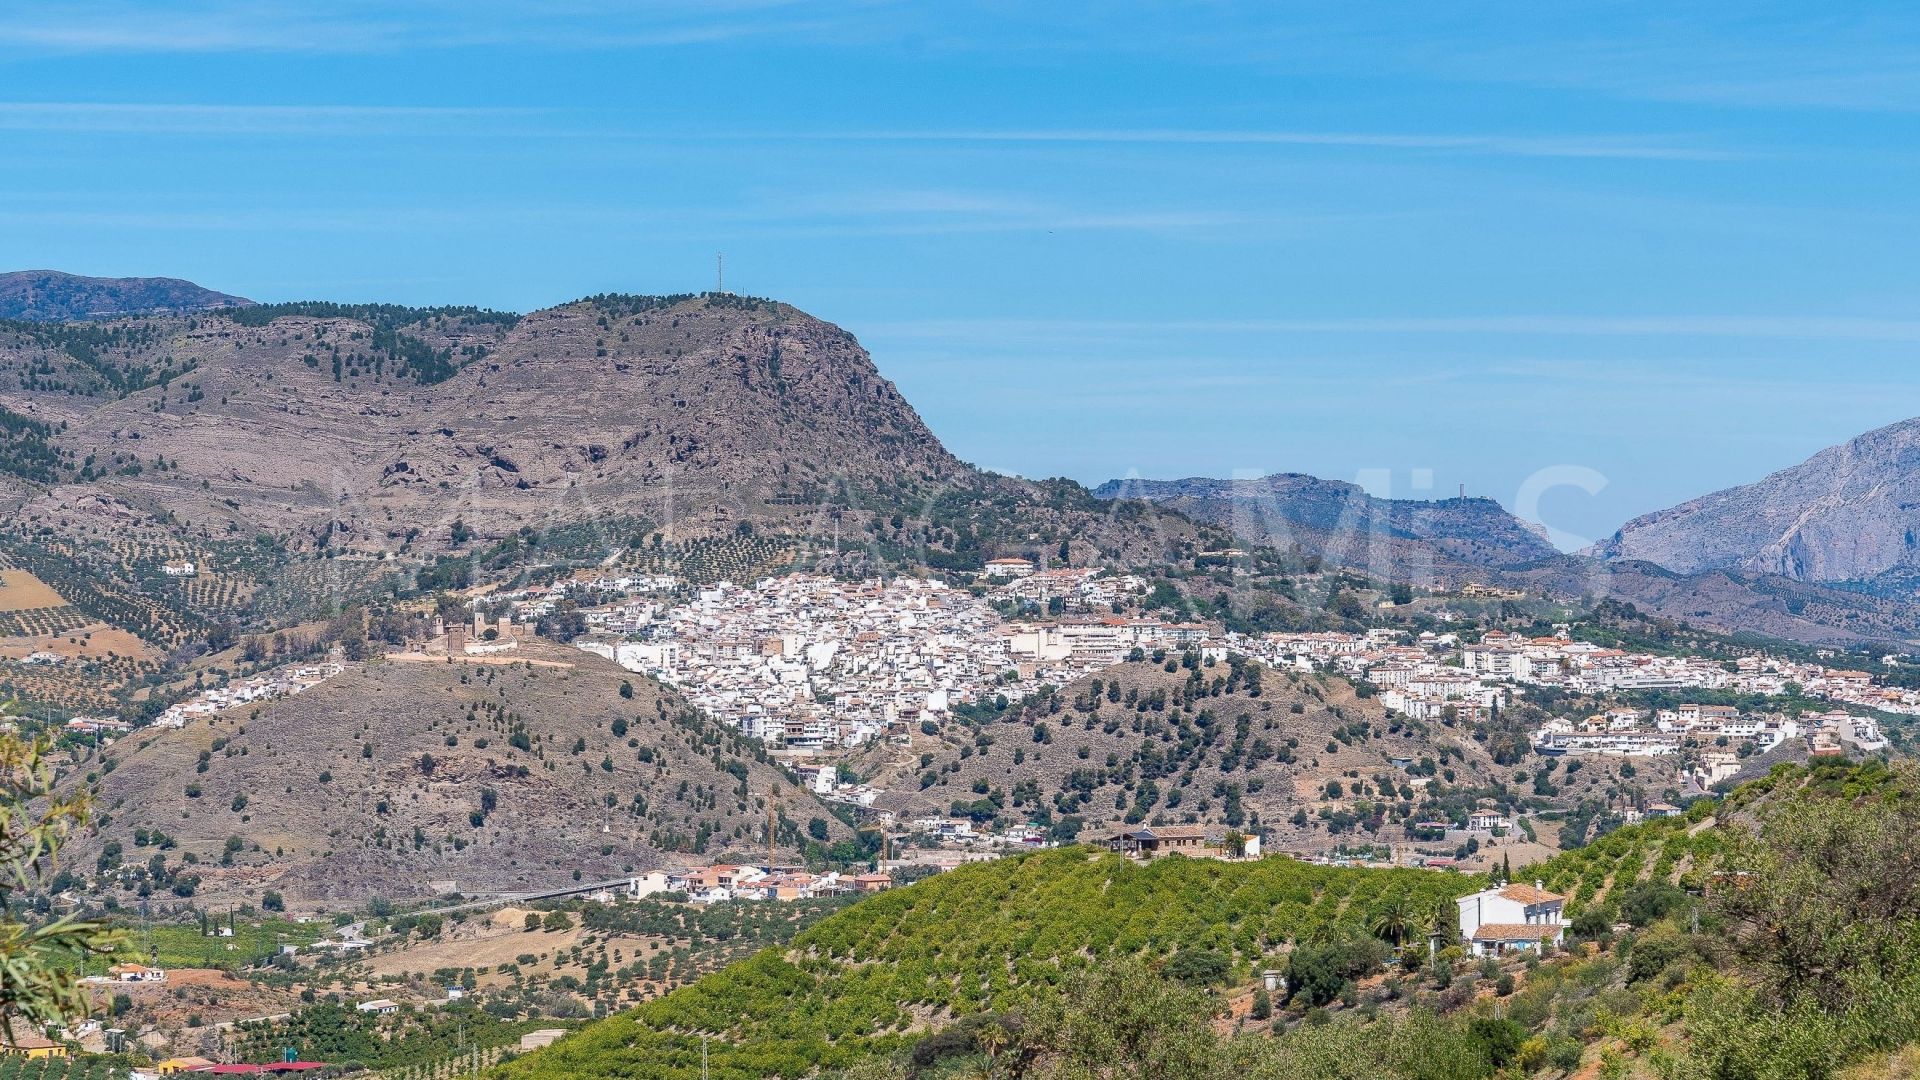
(1517,931)
(1527,894)
(1175,832)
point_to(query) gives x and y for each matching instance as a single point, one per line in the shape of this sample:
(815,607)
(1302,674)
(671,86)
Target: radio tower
(720,272)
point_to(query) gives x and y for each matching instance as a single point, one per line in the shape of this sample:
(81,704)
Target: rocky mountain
(307,455)
(394,778)
(1449,541)
(381,431)
(375,429)
(1848,515)
(1392,538)
(53,296)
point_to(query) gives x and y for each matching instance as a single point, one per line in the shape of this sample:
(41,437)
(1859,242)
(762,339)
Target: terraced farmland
(1669,850)
(984,937)
(740,559)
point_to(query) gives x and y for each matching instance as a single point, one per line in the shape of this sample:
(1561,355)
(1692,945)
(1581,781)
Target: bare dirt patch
(213,996)
(21,591)
(478,947)
(95,641)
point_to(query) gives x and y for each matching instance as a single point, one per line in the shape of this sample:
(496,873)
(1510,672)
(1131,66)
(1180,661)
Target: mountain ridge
(1847,515)
(1397,538)
(377,441)
(57,296)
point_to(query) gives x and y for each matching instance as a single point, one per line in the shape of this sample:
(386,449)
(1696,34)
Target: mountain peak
(1848,514)
(57,296)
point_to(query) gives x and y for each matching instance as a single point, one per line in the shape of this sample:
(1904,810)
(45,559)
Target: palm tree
(991,1039)
(1394,920)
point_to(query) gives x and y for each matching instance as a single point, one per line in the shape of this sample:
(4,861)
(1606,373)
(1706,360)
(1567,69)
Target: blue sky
(1589,259)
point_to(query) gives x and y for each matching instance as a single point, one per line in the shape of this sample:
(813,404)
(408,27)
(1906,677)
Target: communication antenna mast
(719,271)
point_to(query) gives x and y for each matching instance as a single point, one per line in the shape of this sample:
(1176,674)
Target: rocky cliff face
(1849,514)
(52,296)
(701,411)
(361,443)
(1394,537)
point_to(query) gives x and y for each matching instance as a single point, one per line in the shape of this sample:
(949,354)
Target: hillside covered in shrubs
(1777,940)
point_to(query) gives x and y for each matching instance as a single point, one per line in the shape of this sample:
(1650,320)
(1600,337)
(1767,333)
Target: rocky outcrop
(1850,514)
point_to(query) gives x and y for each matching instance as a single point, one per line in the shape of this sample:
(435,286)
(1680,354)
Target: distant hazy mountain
(1347,526)
(1849,514)
(52,296)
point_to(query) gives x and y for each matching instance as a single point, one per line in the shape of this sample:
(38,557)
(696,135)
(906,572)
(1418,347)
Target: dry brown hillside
(1140,744)
(301,427)
(310,456)
(394,778)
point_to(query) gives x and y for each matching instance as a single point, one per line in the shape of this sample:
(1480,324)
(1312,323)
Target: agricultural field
(96,581)
(707,560)
(30,607)
(1672,850)
(76,1068)
(41,622)
(176,945)
(209,590)
(580,956)
(21,591)
(990,936)
(413,1044)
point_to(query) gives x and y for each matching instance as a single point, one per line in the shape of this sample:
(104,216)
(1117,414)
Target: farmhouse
(1511,917)
(1198,841)
(1150,843)
(137,973)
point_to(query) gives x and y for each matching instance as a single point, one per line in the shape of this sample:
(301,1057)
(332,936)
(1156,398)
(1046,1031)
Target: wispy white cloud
(1569,146)
(1802,327)
(228,119)
(321,119)
(361,26)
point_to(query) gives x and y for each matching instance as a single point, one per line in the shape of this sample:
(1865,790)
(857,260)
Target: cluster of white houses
(811,663)
(1416,679)
(1435,675)
(1588,668)
(278,683)
(1085,587)
(728,881)
(1644,733)
(1095,641)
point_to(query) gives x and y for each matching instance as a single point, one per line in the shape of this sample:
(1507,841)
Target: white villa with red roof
(1511,917)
